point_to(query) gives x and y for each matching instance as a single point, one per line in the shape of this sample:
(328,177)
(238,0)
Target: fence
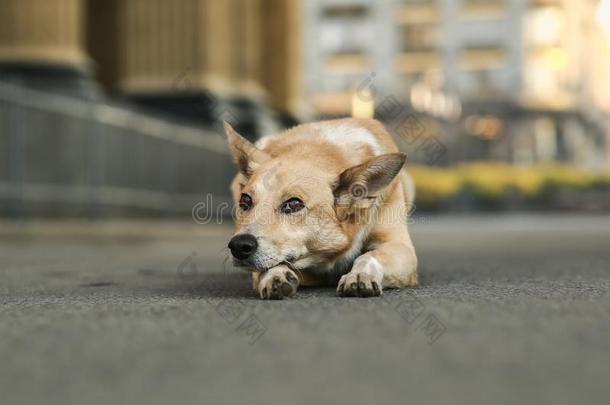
(65,157)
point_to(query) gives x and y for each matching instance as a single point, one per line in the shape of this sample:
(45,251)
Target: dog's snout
(243,246)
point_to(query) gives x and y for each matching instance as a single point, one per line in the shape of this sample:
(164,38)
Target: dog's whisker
(227,264)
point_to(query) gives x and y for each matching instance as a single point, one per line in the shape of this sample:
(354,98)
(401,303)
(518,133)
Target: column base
(70,81)
(249,117)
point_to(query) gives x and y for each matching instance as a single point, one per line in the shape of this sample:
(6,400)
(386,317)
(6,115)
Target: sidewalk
(511,309)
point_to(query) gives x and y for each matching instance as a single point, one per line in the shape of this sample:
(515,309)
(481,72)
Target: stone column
(171,55)
(42,45)
(281,54)
(247,54)
(47,31)
(207,60)
(219,42)
(158,42)
(246,101)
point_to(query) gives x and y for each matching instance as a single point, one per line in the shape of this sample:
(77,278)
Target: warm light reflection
(363,104)
(556,58)
(485,127)
(603,14)
(545,25)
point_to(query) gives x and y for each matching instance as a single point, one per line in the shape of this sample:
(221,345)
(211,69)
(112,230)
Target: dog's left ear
(361,184)
(245,154)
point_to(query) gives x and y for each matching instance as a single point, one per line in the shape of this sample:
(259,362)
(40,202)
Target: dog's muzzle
(243,246)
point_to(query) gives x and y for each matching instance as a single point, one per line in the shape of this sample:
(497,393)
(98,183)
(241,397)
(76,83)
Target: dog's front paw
(277,283)
(358,284)
(364,280)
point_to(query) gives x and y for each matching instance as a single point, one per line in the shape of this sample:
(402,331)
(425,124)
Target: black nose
(242,246)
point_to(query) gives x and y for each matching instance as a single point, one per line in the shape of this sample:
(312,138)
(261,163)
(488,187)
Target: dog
(320,204)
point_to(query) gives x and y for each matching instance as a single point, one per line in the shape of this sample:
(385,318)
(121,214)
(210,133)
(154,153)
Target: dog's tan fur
(352,231)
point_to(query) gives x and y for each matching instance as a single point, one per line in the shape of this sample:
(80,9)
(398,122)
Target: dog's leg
(256,278)
(276,283)
(389,264)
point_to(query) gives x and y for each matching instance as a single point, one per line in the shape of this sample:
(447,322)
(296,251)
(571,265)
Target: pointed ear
(245,154)
(359,185)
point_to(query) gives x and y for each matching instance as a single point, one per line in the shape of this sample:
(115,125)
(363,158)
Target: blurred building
(116,103)
(522,81)
(200,60)
(527,78)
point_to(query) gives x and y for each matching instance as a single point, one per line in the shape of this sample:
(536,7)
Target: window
(415,62)
(483,9)
(346,63)
(483,58)
(417,12)
(420,37)
(345,11)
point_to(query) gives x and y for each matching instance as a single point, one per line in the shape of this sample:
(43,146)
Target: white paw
(277,283)
(364,280)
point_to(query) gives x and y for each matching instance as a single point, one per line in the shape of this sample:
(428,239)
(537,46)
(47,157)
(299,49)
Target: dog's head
(292,211)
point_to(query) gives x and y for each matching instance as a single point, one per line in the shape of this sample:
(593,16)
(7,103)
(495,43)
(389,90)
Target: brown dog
(322,203)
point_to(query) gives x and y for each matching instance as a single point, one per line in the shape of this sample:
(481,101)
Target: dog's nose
(242,246)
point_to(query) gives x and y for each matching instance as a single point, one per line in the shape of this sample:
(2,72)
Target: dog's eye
(292,205)
(245,202)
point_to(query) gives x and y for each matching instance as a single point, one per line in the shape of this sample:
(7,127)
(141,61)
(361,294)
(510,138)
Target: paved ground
(511,310)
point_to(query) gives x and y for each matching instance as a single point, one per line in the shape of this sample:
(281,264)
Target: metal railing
(63,156)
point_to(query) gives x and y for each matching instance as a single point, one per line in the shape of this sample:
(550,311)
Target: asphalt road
(511,310)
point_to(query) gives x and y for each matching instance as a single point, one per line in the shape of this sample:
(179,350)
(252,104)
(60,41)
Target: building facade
(522,81)
(513,80)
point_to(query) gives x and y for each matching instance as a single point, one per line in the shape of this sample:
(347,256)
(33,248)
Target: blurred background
(112,108)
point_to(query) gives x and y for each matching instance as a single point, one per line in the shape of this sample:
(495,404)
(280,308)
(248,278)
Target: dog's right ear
(360,185)
(245,154)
